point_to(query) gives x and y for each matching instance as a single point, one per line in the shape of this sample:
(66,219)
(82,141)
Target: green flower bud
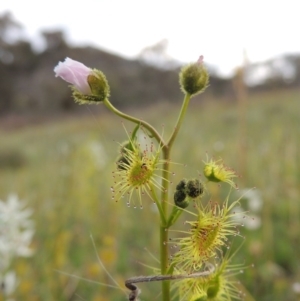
(186,190)
(99,89)
(194,78)
(98,84)
(180,199)
(194,188)
(181,185)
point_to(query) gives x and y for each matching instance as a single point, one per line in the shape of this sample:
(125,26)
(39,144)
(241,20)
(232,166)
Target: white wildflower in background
(296,287)
(249,221)
(8,283)
(16,232)
(254,203)
(253,196)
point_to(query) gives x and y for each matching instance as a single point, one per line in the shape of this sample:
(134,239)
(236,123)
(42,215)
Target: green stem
(165,222)
(145,124)
(176,212)
(164,231)
(182,113)
(163,218)
(164,254)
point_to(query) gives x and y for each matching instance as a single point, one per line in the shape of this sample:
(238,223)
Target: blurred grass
(63,171)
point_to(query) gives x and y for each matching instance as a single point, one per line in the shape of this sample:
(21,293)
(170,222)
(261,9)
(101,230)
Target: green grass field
(64,172)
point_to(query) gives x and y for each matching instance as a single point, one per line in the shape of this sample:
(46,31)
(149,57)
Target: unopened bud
(88,85)
(194,78)
(181,185)
(180,199)
(99,89)
(187,190)
(194,188)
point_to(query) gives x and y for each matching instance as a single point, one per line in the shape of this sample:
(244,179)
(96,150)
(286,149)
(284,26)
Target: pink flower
(74,73)
(200,60)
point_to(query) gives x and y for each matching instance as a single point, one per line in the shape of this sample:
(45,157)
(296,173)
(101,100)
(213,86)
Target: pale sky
(218,29)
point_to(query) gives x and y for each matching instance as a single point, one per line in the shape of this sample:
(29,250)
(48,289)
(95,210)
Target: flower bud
(180,199)
(186,190)
(88,85)
(194,188)
(181,185)
(194,78)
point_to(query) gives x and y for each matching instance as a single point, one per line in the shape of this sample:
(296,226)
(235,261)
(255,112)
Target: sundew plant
(200,269)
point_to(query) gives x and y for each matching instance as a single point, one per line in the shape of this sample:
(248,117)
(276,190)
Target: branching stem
(165,220)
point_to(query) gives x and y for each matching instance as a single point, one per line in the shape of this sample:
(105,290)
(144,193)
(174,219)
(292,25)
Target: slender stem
(151,278)
(164,254)
(176,212)
(145,124)
(164,233)
(180,119)
(163,205)
(163,218)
